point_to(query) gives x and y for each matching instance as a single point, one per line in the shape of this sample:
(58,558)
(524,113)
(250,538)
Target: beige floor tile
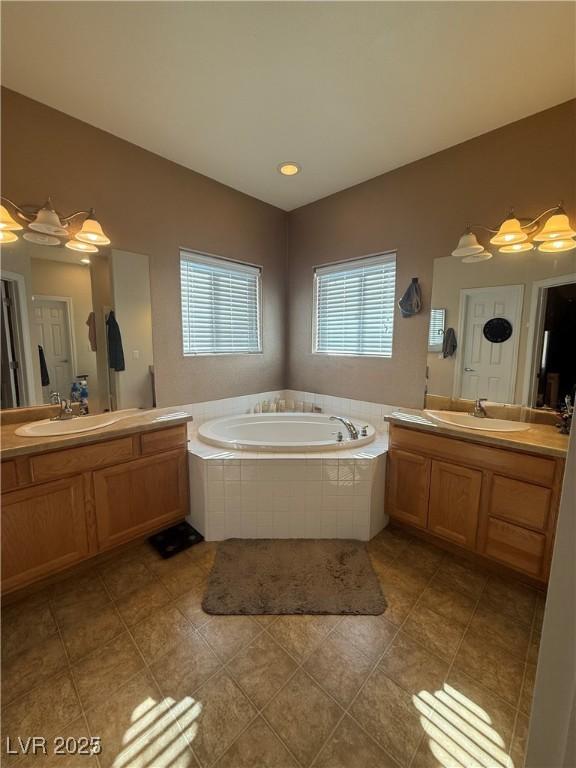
(448,602)
(59,757)
(489,665)
(399,603)
(160,632)
(143,601)
(226,635)
(369,634)
(26,623)
(123,576)
(265,619)
(412,667)
(510,635)
(178,574)
(482,708)
(518,751)
(339,667)
(303,716)
(101,673)
(203,555)
(257,747)
(43,711)
(185,667)
(462,576)
(534,646)
(220,713)
(525,703)
(300,635)
(422,557)
(351,747)
(190,603)
(511,599)
(434,632)
(90,631)
(137,729)
(539,611)
(401,574)
(389,715)
(391,542)
(261,669)
(73,598)
(24,670)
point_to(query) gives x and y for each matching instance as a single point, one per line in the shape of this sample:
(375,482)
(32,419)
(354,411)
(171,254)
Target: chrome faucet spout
(352,431)
(479,410)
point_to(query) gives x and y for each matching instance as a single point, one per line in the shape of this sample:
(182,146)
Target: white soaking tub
(283,432)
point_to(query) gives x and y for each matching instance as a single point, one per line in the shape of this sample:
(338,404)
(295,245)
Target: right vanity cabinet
(499,503)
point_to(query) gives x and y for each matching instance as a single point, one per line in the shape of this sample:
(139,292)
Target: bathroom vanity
(70,497)
(493,494)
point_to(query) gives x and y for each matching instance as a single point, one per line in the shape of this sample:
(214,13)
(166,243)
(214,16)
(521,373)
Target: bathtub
(282,432)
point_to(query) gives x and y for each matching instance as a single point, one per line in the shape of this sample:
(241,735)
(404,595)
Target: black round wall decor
(497,330)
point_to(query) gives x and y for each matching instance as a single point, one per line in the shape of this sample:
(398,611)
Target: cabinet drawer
(76,460)
(164,439)
(520,502)
(515,546)
(9,475)
(524,466)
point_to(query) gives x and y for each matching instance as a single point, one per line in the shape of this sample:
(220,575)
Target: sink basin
(458,419)
(47,428)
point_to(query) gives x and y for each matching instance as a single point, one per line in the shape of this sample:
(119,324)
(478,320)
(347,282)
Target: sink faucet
(479,410)
(352,431)
(65,411)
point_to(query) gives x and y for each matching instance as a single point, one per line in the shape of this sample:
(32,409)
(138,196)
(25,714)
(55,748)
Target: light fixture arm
(529,225)
(31,214)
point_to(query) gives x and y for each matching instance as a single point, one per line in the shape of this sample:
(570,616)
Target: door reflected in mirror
(511,324)
(80,327)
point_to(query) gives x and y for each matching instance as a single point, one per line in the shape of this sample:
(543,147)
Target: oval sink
(47,428)
(466,421)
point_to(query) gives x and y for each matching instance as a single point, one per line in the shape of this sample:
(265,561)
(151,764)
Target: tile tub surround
(167,686)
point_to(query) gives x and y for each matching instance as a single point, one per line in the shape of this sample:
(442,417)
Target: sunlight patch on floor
(460,733)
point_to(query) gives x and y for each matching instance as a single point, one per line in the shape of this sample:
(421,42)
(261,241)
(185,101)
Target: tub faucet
(479,410)
(352,431)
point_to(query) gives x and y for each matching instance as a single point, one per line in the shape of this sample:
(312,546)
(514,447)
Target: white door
(52,333)
(489,369)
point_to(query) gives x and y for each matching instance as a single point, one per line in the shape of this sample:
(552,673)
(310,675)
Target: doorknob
(469,370)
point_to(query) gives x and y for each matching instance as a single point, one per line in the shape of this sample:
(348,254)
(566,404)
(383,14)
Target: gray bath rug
(258,576)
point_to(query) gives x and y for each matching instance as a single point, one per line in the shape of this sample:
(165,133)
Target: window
(220,305)
(436,330)
(354,307)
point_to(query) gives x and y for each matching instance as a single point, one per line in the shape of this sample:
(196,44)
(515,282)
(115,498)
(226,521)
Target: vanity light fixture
(46,227)
(289,169)
(7,237)
(514,235)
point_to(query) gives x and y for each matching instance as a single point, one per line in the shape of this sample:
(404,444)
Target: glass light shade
(7,237)
(510,232)
(92,233)
(556,228)
(40,239)
(557,246)
(484,256)
(77,245)
(516,248)
(468,245)
(48,222)
(7,222)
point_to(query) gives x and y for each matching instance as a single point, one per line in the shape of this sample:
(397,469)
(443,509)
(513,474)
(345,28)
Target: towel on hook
(91,323)
(449,344)
(115,349)
(44,377)
(411,303)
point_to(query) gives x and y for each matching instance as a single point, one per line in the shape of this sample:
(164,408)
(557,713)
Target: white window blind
(436,330)
(220,305)
(354,307)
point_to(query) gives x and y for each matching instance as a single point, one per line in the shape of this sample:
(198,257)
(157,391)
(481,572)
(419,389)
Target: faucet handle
(55,398)
(364,431)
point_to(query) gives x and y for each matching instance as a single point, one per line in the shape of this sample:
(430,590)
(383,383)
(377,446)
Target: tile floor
(124,652)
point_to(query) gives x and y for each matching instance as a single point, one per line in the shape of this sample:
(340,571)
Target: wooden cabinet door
(454,502)
(43,531)
(140,496)
(408,487)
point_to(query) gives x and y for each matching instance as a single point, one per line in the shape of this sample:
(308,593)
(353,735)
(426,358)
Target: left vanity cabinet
(63,506)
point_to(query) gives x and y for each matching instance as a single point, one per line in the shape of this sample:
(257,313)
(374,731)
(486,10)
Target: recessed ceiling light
(289,169)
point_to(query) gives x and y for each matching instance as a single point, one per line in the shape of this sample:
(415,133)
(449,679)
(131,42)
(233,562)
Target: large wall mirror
(504,329)
(77,326)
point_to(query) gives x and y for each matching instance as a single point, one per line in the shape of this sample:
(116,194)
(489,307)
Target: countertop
(14,445)
(538,438)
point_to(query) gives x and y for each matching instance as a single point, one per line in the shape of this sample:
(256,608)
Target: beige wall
(420,211)
(451,275)
(56,278)
(152,206)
